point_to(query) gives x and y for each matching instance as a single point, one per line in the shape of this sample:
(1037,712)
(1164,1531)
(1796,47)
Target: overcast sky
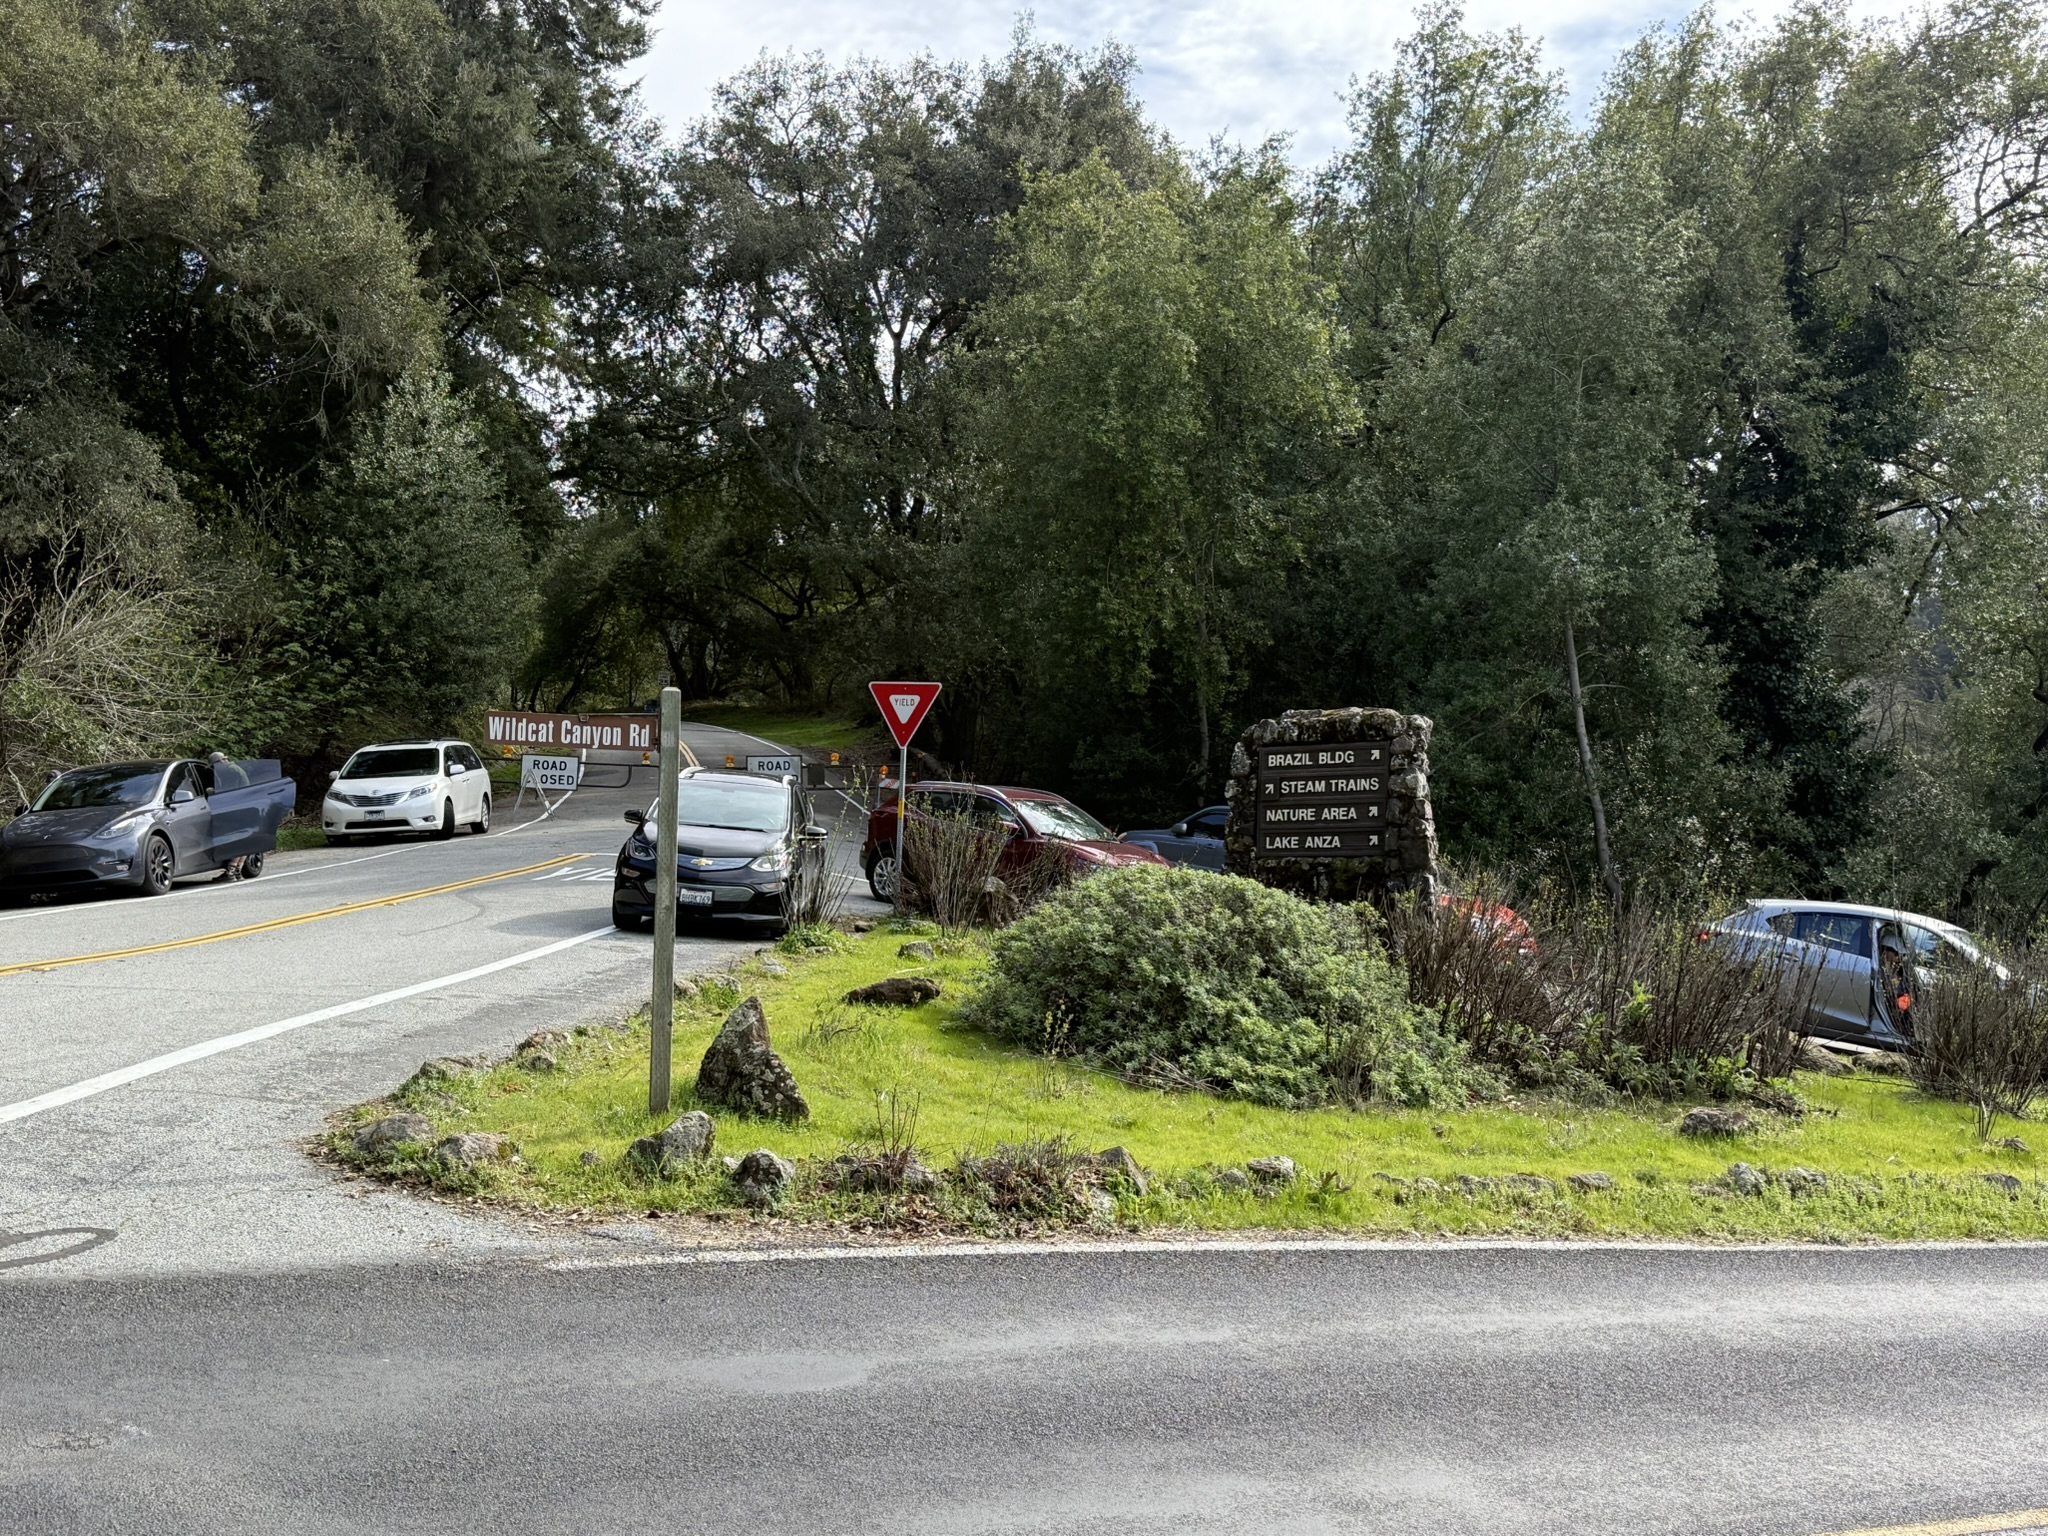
(1241,68)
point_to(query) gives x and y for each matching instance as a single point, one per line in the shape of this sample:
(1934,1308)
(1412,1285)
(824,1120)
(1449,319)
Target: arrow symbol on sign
(905,704)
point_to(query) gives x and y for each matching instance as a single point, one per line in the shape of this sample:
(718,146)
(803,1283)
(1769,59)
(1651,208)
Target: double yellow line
(277,923)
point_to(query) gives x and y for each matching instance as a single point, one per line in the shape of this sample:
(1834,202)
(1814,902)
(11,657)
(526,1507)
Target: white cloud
(1243,70)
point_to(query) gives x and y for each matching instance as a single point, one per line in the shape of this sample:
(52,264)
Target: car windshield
(737,805)
(1059,818)
(115,784)
(393,763)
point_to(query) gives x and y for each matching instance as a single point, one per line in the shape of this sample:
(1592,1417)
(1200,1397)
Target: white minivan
(408,786)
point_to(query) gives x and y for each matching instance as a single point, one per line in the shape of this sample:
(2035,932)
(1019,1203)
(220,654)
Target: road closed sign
(551,775)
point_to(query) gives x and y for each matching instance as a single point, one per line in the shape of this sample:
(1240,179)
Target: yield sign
(904,706)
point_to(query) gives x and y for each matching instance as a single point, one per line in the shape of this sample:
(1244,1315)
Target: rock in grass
(1746,1180)
(1885,1063)
(1815,1057)
(1426,1186)
(862,925)
(896,992)
(1101,1205)
(1271,1172)
(392,1132)
(1117,1163)
(774,968)
(2005,1183)
(761,1178)
(591,1159)
(1235,1180)
(432,1074)
(687,991)
(1805,1181)
(541,1040)
(539,1061)
(1708,1121)
(1528,1184)
(1470,1184)
(1589,1183)
(473,1149)
(741,1071)
(686,1140)
(916,949)
(2010,1144)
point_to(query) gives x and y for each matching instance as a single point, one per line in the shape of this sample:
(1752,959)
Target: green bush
(1178,975)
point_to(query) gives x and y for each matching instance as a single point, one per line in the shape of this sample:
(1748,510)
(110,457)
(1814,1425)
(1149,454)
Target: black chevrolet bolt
(741,841)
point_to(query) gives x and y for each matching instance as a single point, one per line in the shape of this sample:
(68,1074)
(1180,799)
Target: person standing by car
(225,773)
(1893,974)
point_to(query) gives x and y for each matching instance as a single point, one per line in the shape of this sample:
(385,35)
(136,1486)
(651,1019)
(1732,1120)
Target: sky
(1243,69)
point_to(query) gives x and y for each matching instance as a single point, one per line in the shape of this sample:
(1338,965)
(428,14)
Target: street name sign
(624,736)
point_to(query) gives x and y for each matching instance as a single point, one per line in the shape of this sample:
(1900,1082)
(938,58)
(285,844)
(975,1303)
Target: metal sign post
(903,707)
(661,1009)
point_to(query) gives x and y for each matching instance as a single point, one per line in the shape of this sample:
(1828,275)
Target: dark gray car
(742,843)
(1196,842)
(141,825)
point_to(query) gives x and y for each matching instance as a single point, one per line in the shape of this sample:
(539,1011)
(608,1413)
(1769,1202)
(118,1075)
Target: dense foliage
(365,361)
(1182,977)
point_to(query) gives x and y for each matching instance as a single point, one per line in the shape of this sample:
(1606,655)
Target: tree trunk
(1607,875)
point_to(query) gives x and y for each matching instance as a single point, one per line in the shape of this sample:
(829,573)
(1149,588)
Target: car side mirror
(1180,829)
(333,775)
(454,769)
(182,797)
(814,831)
(637,818)
(20,809)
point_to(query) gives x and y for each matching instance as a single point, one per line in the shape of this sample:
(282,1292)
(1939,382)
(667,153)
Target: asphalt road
(198,1166)
(201,1330)
(1436,1391)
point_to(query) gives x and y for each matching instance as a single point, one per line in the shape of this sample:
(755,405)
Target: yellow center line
(277,923)
(1976,1525)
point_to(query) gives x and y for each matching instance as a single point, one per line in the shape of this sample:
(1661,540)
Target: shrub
(1179,975)
(1981,1036)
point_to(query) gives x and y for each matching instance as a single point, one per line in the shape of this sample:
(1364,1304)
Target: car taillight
(1704,935)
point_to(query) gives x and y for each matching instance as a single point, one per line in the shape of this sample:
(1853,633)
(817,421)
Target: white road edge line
(58,1097)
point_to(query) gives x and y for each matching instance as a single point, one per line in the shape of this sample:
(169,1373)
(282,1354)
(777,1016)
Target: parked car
(741,840)
(1196,842)
(1037,826)
(1864,964)
(144,824)
(408,786)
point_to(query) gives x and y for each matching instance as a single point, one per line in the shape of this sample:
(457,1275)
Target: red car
(1039,827)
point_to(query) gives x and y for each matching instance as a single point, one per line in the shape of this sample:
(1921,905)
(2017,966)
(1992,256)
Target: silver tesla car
(1862,963)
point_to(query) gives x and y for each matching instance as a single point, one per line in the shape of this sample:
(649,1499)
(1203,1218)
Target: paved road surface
(198,1166)
(1428,1391)
(201,1331)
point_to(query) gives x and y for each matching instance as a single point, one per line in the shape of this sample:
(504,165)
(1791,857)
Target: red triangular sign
(904,706)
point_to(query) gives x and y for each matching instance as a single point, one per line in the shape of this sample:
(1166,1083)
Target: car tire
(252,865)
(159,864)
(447,828)
(626,918)
(482,824)
(338,839)
(882,877)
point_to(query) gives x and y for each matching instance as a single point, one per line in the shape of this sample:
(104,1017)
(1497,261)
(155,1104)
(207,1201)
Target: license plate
(373,815)
(689,898)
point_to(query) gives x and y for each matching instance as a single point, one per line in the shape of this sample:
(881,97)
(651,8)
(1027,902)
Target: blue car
(1196,842)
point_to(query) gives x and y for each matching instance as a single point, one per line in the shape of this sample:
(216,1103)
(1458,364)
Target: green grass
(295,834)
(821,731)
(1900,1165)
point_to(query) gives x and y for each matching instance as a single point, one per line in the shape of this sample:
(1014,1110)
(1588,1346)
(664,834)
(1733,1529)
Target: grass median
(1896,1164)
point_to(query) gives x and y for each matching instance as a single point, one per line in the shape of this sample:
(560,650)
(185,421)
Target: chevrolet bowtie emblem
(700,863)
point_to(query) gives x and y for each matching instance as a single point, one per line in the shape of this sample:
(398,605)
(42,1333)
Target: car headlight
(120,826)
(773,862)
(424,789)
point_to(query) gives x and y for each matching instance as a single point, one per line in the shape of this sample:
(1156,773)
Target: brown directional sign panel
(1326,800)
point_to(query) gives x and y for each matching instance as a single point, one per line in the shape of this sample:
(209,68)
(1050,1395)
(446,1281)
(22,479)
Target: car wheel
(482,824)
(338,839)
(158,865)
(626,917)
(447,828)
(882,877)
(252,865)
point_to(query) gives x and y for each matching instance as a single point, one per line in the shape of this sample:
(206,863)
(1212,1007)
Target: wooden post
(661,1009)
